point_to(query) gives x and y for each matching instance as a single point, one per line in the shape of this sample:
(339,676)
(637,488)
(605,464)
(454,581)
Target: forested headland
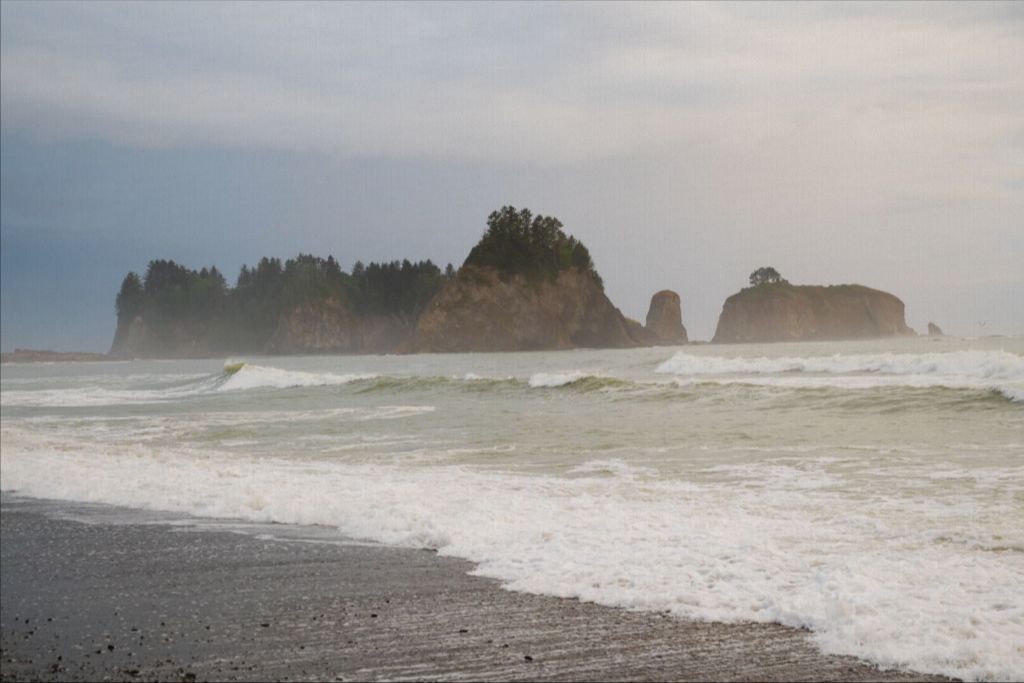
(243,317)
(302,302)
(519,243)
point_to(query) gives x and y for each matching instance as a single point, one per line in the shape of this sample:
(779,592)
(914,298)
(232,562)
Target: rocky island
(526,285)
(773,310)
(665,318)
(482,311)
(305,305)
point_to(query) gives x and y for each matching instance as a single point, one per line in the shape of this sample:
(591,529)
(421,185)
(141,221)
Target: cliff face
(665,318)
(326,326)
(322,327)
(135,339)
(784,312)
(480,311)
(330,327)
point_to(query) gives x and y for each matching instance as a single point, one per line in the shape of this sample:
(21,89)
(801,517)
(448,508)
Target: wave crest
(265,377)
(979,364)
(978,370)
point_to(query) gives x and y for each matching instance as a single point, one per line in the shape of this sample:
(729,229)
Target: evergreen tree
(765,275)
(243,317)
(517,242)
(131,297)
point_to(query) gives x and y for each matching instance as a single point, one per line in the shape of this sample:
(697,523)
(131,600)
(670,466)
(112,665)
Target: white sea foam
(555,379)
(875,579)
(977,364)
(893,533)
(265,377)
(1014,392)
(394,412)
(984,370)
(98,395)
(102,392)
(474,377)
(613,467)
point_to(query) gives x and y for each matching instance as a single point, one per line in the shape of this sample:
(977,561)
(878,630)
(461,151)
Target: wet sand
(94,593)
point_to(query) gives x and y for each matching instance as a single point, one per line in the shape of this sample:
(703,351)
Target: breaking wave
(999,371)
(978,364)
(816,491)
(689,375)
(172,388)
(265,377)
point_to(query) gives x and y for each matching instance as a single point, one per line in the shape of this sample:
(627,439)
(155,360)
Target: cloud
(520,84)
(688,143)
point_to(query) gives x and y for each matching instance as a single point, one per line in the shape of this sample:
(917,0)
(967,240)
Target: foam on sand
(869,580)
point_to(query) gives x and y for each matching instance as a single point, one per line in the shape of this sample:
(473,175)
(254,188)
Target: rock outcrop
(181,339)
(934,330)
(641,335)
(665,318)
(326,326)
(482,311)
(785,312)
(525,285)
(329,326)
(321,327)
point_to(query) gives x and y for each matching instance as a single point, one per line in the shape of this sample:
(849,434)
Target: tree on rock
(131,297)
(517,242)
(765,276)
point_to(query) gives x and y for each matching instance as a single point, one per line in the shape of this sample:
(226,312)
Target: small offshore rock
(665,318)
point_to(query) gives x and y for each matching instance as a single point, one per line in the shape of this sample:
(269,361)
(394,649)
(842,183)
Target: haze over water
(872,492)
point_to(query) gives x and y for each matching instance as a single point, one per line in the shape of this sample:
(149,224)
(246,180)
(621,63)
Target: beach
(590,509)
(92,592)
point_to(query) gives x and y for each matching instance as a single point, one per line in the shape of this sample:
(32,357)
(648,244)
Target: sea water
(871,492)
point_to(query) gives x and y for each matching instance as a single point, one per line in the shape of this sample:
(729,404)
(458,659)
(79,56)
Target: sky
(686,144)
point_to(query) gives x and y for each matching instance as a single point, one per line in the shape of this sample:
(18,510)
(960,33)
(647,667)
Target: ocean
(871,492)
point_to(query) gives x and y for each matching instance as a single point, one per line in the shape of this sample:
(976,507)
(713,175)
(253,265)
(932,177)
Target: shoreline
(99,592)
(31,356)
(25,356)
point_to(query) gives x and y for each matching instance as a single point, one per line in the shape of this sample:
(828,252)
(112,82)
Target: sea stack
(934,330)
(665,318)
(482,311)
(525,286)
(779,311)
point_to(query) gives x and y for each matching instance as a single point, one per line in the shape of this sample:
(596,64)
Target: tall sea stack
(482,311)
(665,318)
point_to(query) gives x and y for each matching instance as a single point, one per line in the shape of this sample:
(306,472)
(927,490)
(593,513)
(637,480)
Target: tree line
(246,315)
(517,242)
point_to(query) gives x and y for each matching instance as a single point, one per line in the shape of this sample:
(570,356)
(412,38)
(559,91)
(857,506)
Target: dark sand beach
(101,593)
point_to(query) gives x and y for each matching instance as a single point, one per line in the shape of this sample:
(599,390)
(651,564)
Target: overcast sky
(685,144)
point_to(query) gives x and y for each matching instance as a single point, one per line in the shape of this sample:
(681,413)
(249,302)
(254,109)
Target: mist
(687,145)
